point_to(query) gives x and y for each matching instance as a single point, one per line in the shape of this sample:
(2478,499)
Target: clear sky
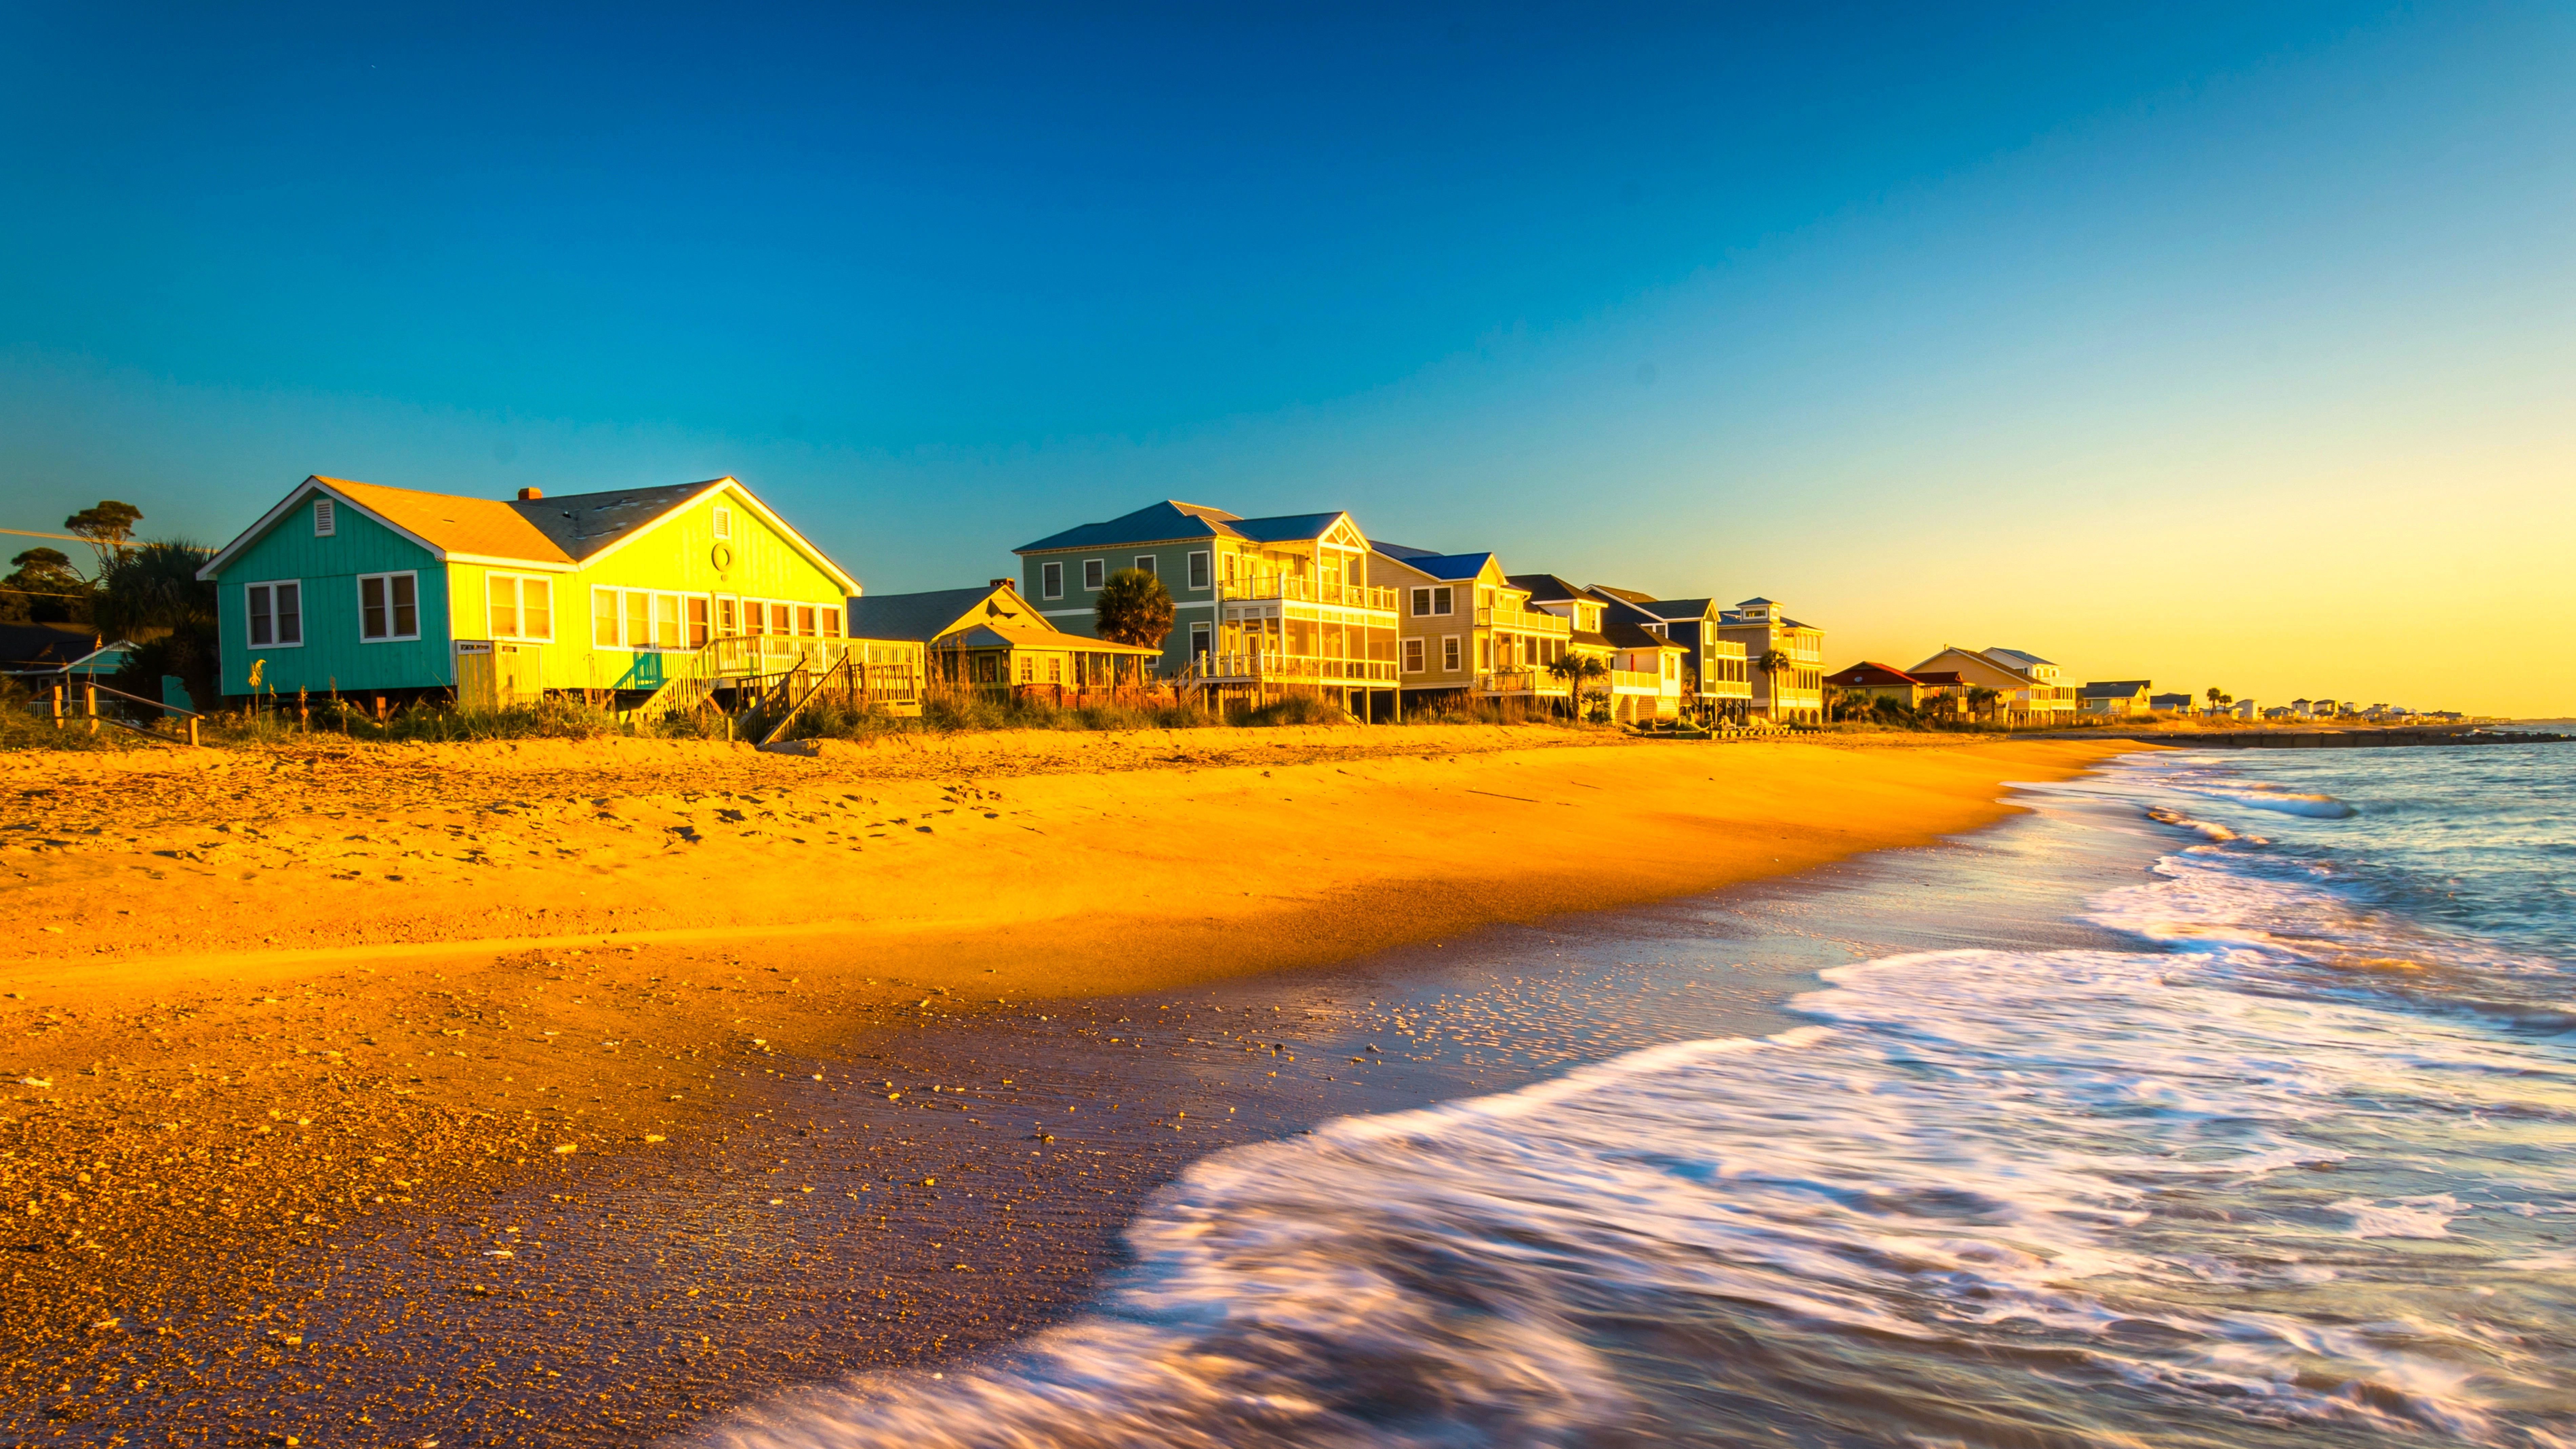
(2214,343)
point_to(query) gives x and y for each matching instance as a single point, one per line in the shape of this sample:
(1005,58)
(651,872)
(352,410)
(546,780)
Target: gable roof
(1870,672)
(1624,635)
(1679,609)
(553,534)
(1548,588)
(1630,596)
(2023,657)
(926,616)
(2115,688)
(1400,553)
(1449,566)
(1165,522)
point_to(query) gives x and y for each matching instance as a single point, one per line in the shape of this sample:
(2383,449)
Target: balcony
(1527,621)
(1636,681)
(1291,589)
(1522,681)
(1264,667)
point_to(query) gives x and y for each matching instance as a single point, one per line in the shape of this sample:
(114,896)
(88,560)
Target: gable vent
(325,522)
(724,523)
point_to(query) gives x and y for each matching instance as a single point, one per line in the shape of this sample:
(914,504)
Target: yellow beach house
(1465,629)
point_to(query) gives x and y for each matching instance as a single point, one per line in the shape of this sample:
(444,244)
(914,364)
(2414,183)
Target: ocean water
(2290,1160)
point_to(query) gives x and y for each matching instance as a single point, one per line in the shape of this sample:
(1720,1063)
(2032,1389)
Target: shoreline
(527,1062)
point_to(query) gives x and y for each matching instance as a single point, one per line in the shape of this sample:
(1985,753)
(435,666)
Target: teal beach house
(356,588)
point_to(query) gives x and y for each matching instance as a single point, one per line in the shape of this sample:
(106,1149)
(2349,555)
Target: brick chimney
(531,495)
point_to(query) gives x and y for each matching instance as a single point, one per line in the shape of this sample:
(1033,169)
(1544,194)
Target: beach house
(1717,677)
(992,638)
(361,589)
(1794,691)
(2171,704)
(2027,688)
(1646,670)
(1465,629)
(1260,605)
(1870,680)
(2114,698)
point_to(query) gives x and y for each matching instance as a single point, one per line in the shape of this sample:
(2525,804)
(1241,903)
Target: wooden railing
(1310,591)
(1528,621)
(1255,667)
(1636,681)
(1521,681)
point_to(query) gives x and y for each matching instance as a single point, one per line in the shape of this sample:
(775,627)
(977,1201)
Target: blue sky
(2154,339)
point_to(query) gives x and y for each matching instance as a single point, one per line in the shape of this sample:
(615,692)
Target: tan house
(994,639)
(2115,698)
(1795,693)
(1583,612)
(1463,627)
(2027,687)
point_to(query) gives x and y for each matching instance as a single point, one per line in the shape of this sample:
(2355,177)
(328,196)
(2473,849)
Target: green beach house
(362,589)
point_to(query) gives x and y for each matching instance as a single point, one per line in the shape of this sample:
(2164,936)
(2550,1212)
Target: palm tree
(1981,700)
(1773,664)
(1134,608)
(1575,669)
(2215,695)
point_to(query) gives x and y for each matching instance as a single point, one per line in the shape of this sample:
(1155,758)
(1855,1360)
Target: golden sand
(255,1000)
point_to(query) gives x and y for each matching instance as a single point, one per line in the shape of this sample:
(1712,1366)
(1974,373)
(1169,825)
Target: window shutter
(325,522)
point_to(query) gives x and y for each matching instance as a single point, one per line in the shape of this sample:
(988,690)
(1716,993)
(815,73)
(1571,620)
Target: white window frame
(1415,654)
(519,606)
(253,616)
(1095,574)
(1444,602)
(1145,565)
(1450,655)
(723,522)
(326,518)
(1051,580)
(1200,573)
(391,616)
(1202,640)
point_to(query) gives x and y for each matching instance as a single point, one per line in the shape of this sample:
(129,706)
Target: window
(1442,601)
(1028,669)
(1199,641)
(1421,603)
(519,607)
(1145,564)
(666,621)
(639,619)
(1484,653)
(1198,570)
(1413,656)
(724,522)
(831,621)
(326,519)
(1449,653)
(603,618)
(276,615)
(1051,580)
(804,621)
(388,607)
(728,617)
(1091,575)
(1055,669)
(701,618)
(779,619)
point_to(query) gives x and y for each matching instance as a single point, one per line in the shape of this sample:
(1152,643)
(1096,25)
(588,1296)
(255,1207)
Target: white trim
(1200,570)
(389,637)
(1088,565)
(272,585)
(1056,591)
(326,518)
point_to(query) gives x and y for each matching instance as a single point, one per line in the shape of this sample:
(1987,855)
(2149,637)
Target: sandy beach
(270,1012)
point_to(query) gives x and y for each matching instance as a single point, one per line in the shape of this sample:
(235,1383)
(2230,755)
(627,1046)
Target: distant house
(49,654)
(2027,687)
(1259,603)
(1717,676)
(992,637)
(2171,704)
(356,587)
(2245,709)
(1795,694)
(2281,712)
(2114,697)
(1464,628)
(1874,681)
(2301,707)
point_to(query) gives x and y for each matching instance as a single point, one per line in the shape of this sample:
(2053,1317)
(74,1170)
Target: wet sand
(292,1109)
